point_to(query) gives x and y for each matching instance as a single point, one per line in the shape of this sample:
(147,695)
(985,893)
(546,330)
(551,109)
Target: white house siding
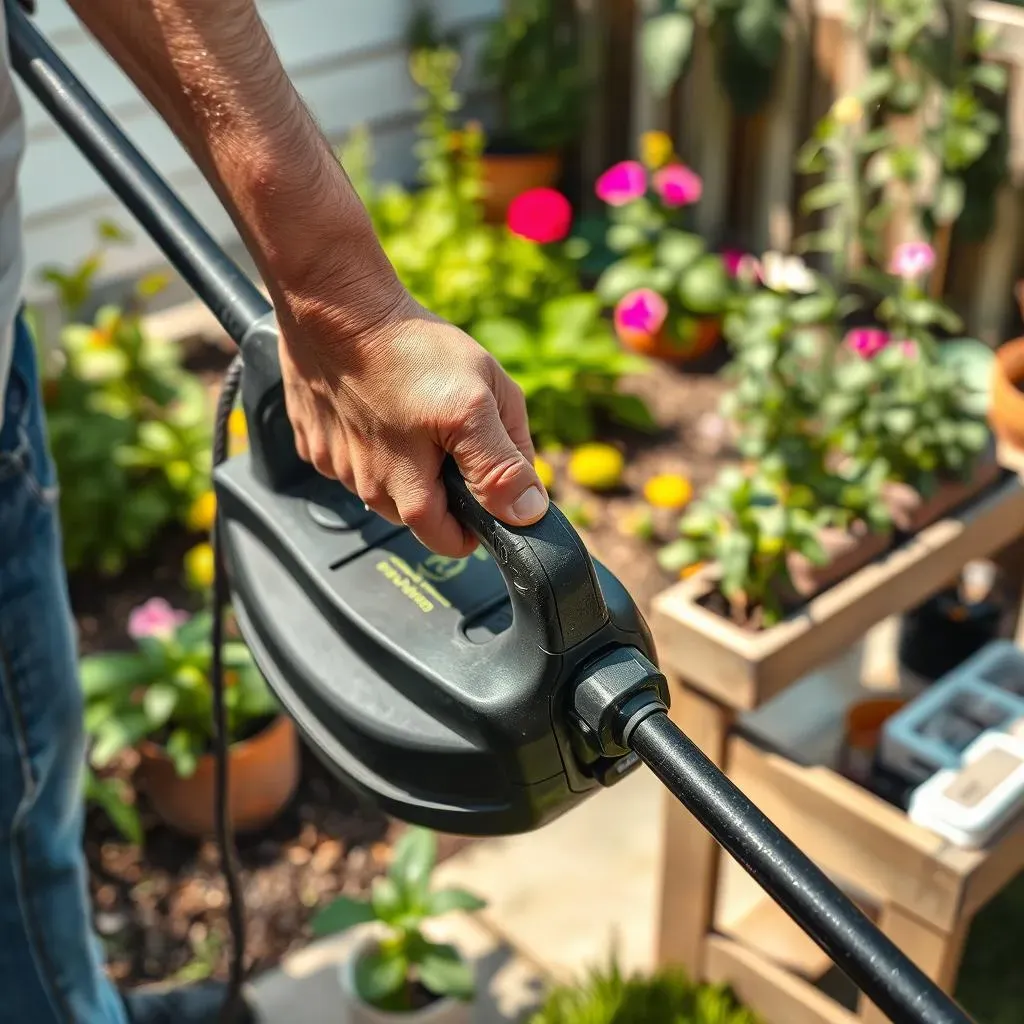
(346,57)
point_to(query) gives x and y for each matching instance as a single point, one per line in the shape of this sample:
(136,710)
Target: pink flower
(643,311)
(541,215)
(909,349)
(622,183)
(740,264)
(867,342)
(156,618)
(911,260)
(678,185)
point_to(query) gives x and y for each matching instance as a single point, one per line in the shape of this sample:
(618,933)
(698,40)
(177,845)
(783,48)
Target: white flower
(782,273)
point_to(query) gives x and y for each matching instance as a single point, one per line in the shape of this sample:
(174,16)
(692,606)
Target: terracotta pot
(507,175)
(847,550)
(1006,410)
(912,512)
(441,1011)
(263,773)
(669,348)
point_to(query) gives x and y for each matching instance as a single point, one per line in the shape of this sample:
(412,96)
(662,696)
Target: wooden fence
(751,190)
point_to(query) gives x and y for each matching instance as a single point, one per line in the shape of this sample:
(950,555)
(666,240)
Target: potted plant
(917,404)
(158,699)
(667,291)
(393,972)
(667,996)
(532,58)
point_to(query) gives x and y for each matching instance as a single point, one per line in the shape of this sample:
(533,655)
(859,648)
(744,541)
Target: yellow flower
(597,467)
(847,110)
(199,567)
(237,427)
(668,490)
(101,337)
(545,471)
(769,546)
(203,512)
(656,149)
(691,570)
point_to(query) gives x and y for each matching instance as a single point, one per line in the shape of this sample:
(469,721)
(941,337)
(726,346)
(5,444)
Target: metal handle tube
(887,977)
(222,285)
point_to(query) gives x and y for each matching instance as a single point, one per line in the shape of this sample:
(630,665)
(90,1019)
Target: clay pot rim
(153,751)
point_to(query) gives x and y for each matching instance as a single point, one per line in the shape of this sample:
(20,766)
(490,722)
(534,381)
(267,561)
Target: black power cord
(232,1010)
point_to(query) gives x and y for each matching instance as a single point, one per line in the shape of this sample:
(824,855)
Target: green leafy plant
(403,958)
(129,427)
(664,280)
(113,797)
(532,57)
(748,522)
(668,996)
(161,690)
(747,35)
(568,364)
(521,299)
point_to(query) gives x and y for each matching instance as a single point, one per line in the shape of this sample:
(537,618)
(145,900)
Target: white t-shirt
(12,144)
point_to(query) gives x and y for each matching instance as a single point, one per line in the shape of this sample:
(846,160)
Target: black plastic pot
(945,631)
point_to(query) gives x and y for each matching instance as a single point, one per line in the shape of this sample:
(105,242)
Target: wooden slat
(778,996)
(743,668)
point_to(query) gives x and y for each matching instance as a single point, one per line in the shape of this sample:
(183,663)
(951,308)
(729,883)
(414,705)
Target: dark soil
(161,910)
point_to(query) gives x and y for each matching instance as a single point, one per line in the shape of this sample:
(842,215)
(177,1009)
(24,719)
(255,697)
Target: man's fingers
(496,470)
(424,509)
(512,409)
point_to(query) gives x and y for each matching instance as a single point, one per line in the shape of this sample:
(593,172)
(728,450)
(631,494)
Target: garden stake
(482,696)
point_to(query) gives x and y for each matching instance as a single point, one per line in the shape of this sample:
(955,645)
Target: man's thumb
(498,474)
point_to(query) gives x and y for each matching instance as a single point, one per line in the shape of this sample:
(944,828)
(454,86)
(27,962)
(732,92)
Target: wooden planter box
(743,668)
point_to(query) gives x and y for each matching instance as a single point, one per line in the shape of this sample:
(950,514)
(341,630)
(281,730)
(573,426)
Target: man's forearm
(210,70)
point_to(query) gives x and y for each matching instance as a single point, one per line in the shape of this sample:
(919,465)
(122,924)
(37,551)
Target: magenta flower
(642,311)
(867,342)
(678,185)
(156,618)
(911,260)
(622,183)
(540,215)
(739,264)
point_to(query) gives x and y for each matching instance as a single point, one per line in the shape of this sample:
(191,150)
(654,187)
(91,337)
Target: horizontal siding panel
(305,32)
(55,175)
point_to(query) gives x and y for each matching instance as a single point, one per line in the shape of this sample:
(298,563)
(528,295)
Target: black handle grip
(547,568)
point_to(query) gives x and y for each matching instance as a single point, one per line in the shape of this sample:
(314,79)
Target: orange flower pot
(263,774)
(507,175)
(668,347)
(1006,411)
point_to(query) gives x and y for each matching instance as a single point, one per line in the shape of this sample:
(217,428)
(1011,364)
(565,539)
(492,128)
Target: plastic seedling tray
(933,732)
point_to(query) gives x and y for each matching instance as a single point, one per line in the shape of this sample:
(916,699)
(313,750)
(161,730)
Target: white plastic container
(970,804)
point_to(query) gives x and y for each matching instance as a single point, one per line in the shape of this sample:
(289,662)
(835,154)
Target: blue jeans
(50,960)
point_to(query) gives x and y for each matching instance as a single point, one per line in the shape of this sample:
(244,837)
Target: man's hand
(376,388)
(378,412)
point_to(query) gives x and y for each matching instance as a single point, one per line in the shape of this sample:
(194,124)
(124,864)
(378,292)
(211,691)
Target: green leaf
(824,196)
(118,734)
(876,85)
(159,702)
(898,421)
(110,231)
(379,976)
(109,795)
(386,897)
(184,749)
(678,249)
(446,900)
(414,856)
(507,340)
(102,673)
(974,436)
(629,410)
(341,914)
(625,237)
(678,555)
(949,201)
(990,76)
(445,973)
(666,41)
(812,309)
(570,315)
(620,279)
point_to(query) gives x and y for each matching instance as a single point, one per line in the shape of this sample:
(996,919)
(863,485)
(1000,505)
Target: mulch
(160,909)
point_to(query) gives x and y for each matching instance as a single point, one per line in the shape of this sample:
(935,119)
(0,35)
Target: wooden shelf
(743,669)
